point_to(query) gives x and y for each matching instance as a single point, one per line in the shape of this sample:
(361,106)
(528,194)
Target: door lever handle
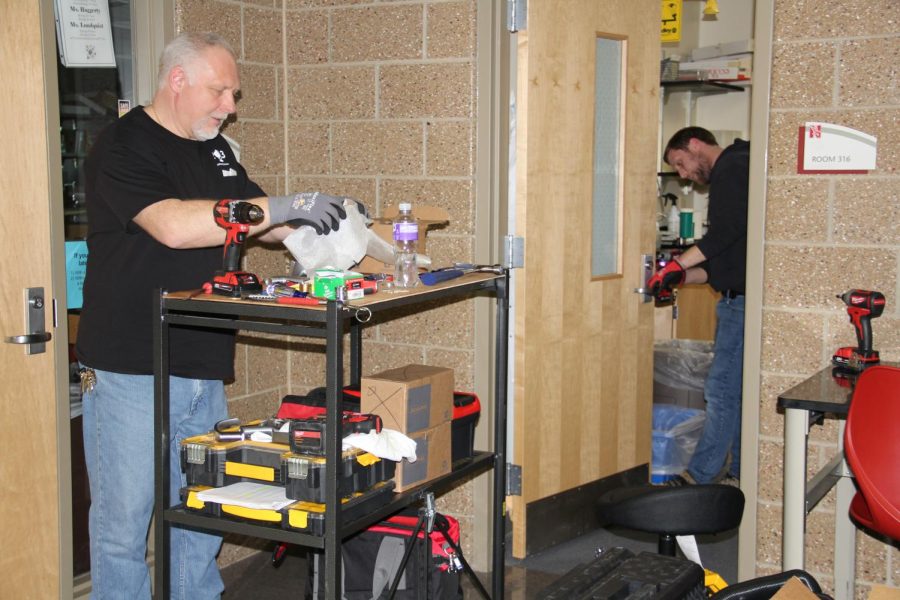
(36,337)
(646,274)
(30,338)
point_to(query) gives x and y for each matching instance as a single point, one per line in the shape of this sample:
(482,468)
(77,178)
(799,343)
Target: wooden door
(35,535)
(583,343)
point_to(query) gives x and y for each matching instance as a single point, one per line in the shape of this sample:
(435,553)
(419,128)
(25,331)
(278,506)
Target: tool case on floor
(305,517)
(617,574)
(371,559)
(208,461)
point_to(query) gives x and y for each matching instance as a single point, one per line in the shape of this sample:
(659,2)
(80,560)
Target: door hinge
(513,252)
(513,480)
(516,15)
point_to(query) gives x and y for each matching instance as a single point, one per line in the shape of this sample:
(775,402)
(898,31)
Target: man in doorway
(152,180)
(718,258)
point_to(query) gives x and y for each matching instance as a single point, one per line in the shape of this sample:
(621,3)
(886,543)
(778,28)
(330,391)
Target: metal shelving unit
(329,322)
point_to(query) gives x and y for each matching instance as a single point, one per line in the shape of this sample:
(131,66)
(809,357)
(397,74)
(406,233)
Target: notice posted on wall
(76,267)
(84,33)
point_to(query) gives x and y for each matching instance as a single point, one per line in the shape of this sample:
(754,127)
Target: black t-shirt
(725,244)
(133,164)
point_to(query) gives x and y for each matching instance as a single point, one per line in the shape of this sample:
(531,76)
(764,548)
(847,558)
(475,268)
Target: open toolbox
(302,516)
(211,462)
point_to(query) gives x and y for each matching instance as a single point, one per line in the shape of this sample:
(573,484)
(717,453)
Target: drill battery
(307,436)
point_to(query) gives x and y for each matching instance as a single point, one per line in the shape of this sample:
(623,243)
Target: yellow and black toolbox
(207,460)
(305,517)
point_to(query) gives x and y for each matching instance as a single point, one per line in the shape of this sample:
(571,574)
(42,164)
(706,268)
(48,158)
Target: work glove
(320,211)
(672,275)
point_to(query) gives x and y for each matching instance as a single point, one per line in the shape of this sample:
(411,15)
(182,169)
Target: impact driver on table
(862,306)
(235,217)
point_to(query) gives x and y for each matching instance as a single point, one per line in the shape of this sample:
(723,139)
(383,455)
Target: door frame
(490,201)
(763,27)
(154,25)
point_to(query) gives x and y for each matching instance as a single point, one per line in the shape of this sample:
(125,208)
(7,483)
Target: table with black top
(329,321)
(821,396)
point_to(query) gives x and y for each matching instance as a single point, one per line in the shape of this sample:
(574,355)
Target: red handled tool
(862,306)
(235,217)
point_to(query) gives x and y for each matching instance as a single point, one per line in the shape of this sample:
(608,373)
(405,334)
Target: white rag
(389,443)
(342,248)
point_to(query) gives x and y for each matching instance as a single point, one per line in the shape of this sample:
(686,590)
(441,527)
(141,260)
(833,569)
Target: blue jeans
(722,429)
(119,453)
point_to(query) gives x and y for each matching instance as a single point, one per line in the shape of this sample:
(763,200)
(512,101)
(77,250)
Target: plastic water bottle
(674,221)
(406,239)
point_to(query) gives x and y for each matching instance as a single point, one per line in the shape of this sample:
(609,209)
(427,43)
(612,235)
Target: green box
(326,281)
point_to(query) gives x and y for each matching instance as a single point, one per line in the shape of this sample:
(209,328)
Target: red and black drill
(235,217)
(862,306)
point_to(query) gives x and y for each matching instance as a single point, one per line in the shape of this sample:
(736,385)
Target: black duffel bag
(372,557)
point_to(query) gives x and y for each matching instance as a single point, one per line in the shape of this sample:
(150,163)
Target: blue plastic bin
(676,431)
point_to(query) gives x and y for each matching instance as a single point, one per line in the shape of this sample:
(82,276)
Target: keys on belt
(88,379)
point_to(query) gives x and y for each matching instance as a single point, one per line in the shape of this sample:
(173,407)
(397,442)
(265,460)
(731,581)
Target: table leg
(796,429)
(844,531)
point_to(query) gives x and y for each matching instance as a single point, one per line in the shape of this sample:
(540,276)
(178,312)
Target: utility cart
(330,321)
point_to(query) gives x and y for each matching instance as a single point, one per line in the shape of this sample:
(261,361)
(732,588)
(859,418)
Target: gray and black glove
(320,211)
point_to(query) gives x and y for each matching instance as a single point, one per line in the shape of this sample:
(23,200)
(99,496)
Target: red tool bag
(372,557)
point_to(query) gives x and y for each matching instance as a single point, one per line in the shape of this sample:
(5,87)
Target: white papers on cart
(248,495)
(84,33)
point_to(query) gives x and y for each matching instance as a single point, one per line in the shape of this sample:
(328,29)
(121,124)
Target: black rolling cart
(329,322)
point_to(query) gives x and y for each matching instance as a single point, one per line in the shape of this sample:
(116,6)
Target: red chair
(872,449)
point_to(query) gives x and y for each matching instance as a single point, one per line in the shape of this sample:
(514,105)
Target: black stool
(671,511)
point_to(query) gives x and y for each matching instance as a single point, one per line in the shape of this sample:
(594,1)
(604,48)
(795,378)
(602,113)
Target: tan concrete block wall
(836,63)
(374,100)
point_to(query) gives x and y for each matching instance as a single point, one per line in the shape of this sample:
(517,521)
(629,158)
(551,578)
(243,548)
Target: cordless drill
(235,217)
(862,306)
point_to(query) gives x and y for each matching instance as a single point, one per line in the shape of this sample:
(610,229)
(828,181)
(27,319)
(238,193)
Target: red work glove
(672,275)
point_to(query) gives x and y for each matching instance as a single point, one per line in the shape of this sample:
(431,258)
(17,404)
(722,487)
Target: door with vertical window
(586,133)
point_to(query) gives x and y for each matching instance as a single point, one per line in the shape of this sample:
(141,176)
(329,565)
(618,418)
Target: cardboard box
(883,592)
(429,217)
(794,589)
(432,458)
(326,281)
(409,399)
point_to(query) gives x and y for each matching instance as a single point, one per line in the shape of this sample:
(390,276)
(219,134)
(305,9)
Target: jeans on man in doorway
(119,454)
(723,390)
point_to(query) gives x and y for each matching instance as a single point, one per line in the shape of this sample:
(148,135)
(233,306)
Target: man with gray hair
(152,180)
